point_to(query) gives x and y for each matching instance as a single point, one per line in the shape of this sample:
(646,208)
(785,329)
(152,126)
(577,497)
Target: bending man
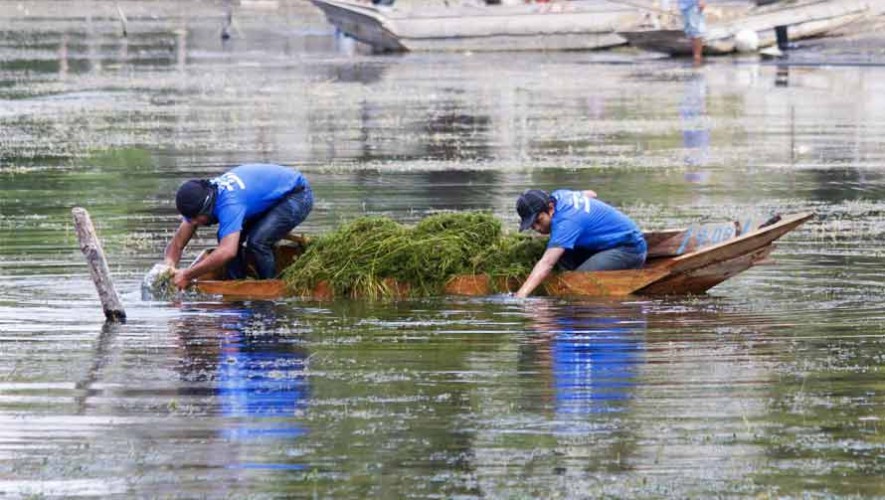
(254,205)
(585,234)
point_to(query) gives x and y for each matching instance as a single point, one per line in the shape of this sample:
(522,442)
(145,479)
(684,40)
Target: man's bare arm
(179,241)
(541,270)
(226,250)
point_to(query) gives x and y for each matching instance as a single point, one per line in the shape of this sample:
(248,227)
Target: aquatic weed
(377,257)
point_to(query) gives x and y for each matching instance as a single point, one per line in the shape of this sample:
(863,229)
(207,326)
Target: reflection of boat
(680,261)
(590,24)
(804,20)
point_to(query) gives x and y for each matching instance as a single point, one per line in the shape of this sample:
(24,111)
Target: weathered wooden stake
(98,266)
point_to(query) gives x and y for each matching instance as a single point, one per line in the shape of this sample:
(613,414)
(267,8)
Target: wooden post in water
(123,20)
(98,266)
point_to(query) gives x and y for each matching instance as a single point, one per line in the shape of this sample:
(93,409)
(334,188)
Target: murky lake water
(770,385)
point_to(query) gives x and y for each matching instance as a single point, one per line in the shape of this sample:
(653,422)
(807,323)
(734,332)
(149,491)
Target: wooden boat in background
(803,20)
(682,261)
(584,25)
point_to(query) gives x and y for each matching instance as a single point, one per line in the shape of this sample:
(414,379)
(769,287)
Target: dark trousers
(261,234)
(623,257)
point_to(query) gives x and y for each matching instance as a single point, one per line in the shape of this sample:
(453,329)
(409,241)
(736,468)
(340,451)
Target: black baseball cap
(529,205)
(195,197)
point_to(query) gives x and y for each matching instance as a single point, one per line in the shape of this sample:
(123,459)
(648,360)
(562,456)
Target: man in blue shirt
(585,234)
(254,205)
(694,26)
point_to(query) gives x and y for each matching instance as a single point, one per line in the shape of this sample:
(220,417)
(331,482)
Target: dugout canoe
(681,261)
(585,25)
(803,20)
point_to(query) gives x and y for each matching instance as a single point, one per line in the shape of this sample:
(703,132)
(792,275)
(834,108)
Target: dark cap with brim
(194,198)
(531,203)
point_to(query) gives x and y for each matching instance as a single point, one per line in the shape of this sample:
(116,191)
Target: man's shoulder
(562,197)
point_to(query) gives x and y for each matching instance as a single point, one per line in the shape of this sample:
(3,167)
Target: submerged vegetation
(157,283)
(377,257)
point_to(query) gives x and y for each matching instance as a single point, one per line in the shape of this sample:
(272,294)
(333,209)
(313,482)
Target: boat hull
(362,23)
(587,25)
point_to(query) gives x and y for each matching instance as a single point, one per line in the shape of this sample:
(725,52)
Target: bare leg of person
(697,50)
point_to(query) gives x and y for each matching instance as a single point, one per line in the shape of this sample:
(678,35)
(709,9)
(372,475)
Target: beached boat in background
(800,20)
(680,261)
(583,25)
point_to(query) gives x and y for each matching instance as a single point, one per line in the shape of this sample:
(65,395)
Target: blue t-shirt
(585,223)
(250,190)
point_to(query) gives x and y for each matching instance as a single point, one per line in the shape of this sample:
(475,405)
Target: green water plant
(376,256)
(511,257)
(157,283)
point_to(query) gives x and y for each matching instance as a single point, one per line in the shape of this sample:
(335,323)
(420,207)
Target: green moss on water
(367,256)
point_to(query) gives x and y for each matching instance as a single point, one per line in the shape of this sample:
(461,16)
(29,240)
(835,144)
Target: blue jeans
(613,259)
(261,234)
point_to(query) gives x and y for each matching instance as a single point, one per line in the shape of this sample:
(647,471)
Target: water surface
(769,385)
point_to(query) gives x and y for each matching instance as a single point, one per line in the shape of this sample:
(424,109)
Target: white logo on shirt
(581,202)
(227,181)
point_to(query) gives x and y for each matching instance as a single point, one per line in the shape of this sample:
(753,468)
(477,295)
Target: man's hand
(180,279)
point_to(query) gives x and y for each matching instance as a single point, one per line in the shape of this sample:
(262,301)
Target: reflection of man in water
(593,353)
(258,375)
(695,127)
(260,379)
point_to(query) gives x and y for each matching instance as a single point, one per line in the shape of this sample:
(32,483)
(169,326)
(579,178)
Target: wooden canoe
(680,261)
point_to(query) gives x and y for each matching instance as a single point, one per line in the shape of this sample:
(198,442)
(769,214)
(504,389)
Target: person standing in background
(694,26)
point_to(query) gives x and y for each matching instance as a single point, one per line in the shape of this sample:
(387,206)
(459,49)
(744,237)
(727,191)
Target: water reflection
(102,355)
(426,398)
(695,127)
(63,57)
(782,76)
(455,133)
(256,371)
(590,351)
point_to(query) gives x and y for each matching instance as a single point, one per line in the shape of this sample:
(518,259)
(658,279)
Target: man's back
(588,223)
(249,190)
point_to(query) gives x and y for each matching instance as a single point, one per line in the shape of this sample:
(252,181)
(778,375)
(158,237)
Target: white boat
(802,20)
(577,25)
